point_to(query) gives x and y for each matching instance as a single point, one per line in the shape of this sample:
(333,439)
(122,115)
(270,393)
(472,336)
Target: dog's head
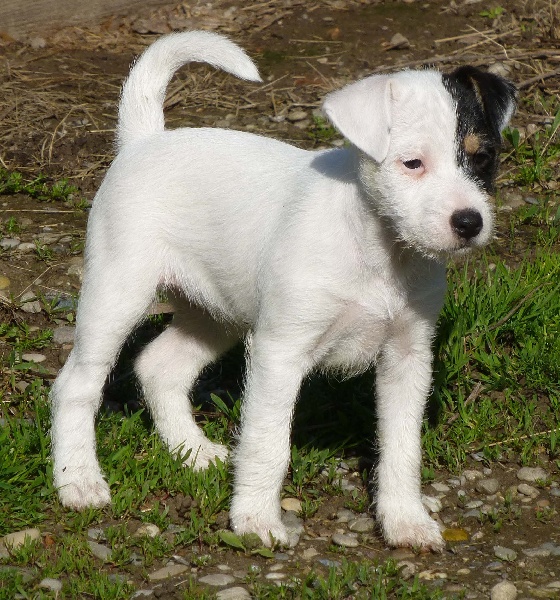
(430,144)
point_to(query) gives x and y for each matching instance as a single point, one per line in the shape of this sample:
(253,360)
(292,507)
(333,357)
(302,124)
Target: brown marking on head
(471,143)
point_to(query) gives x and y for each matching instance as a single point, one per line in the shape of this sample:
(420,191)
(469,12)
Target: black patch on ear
(483,101)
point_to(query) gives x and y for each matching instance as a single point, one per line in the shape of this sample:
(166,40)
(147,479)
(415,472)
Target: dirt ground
(59,94)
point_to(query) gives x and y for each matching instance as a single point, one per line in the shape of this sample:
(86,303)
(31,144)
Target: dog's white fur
(323,259)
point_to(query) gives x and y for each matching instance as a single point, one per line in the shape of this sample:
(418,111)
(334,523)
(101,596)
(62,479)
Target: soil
(58,101)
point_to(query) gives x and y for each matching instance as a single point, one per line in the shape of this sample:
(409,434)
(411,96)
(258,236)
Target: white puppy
(329,259)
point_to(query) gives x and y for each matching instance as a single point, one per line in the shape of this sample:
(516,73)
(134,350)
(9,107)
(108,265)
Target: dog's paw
(84,493)
(200,458)
(416,530)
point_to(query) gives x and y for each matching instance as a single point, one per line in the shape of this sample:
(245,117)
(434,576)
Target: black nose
(466,223)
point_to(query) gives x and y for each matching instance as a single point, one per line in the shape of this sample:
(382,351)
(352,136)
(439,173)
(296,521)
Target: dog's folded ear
(496,96)
(361,111)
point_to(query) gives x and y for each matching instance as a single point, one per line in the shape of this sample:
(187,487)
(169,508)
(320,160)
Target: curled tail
(143,94)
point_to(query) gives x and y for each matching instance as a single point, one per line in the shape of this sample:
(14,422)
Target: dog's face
(430,145)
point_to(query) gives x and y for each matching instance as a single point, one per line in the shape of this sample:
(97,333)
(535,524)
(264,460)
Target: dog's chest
(361,327)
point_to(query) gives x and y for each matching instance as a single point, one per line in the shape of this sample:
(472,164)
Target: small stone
(398,41)
(18,538)
(361,524)
(26,247)
(344,515)
(291,504)
(464,571)
(340,539)
(33,357)
(234,593)
(506,554)
(148,530)
(54,585)
(9,243)
(432,504)
(327,562)
(21,386)
(472,474)
(407,569)
(296,115)
(488,486)
(402,553)
(532,474)
(555,492)
(440,487)
(94,533)
(64,334)
(100,551)
(4,283)
(495,566)
(500,68)
(473,504)
(537,552)
(217,579)
(168,571)
(275,576)
(309,553)
(527,490)
(505,590)
(33,307)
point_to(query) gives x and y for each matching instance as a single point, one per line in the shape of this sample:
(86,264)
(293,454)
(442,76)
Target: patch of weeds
(492,13)
(306,468)
(322,131)
(11,226)
(43,252)
(360,580)
(13,182)
(249,543)
(536,158)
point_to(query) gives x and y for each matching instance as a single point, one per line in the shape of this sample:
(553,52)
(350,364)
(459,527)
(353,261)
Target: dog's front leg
(403,383)
(263,452)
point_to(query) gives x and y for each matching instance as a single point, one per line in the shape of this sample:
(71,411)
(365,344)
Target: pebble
(407,569)
(473,504)
(505,590)
(488,486)
(344,515)
(440,487)
(169,571)
(432,504)
(531,474)
(291,504)
(309,553)
(296,115)
(275,576)
(64,334)
(472,474)
(4,283)
(95,533)
(537,552)
(26,247)
(9,243)
(234,593)
(294,526)
(361,524)
(100,551)
(341,539)
(217,579)
(527,490)
(506,554)
(54,585)
(148,530)
(18,538)
(33,357)
(327,562)
(32,307)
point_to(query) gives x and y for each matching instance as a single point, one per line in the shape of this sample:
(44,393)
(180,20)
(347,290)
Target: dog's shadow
(332,413)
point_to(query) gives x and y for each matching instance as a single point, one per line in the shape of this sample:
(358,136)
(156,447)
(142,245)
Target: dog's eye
(482,160)
(412,164)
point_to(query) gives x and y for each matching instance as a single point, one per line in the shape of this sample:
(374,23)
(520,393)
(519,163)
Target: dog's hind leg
(111,304)
(168,368)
